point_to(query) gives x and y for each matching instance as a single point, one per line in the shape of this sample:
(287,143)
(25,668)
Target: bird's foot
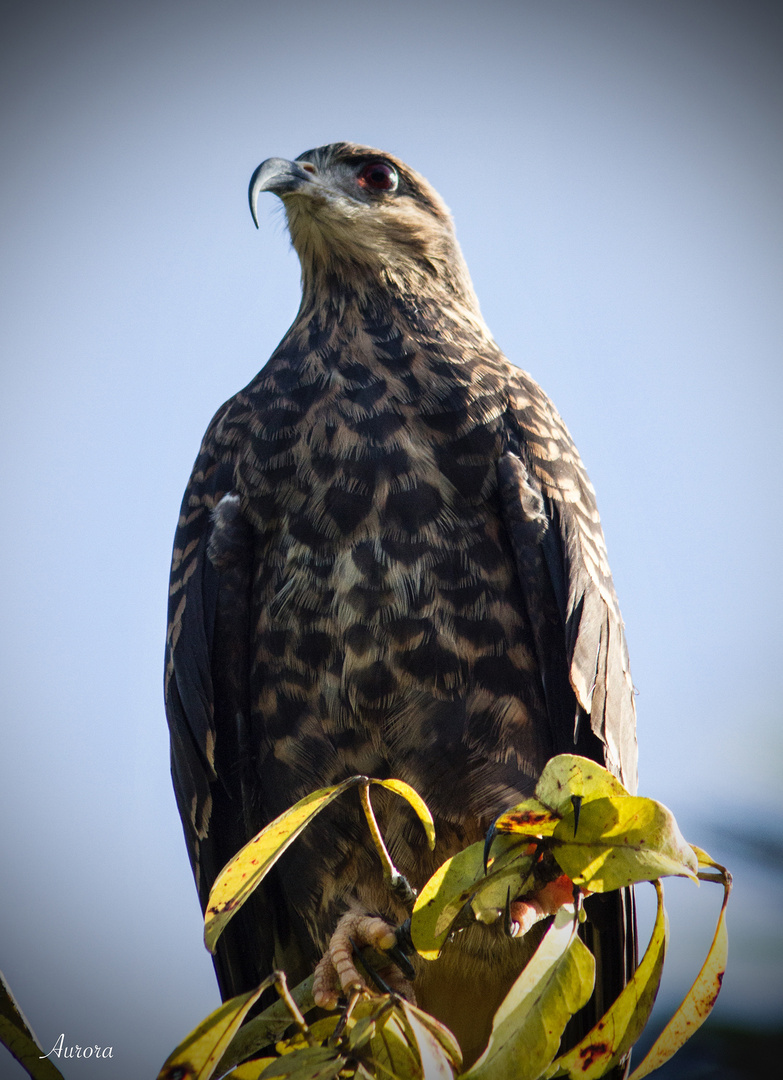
(337,974)
(524,914)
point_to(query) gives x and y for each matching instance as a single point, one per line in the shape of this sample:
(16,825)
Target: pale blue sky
(614,171)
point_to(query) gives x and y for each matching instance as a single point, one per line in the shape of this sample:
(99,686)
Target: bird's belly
(391,656)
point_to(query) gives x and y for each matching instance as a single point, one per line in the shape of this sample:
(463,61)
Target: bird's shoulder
(553,459)
(210,480)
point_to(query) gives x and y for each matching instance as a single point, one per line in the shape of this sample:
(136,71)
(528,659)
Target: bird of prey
(388,562)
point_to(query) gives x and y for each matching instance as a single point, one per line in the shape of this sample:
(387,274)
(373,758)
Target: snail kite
(389,561)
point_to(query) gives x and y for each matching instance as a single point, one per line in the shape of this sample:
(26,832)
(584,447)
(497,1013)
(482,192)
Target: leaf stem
(281,985)
(396,881)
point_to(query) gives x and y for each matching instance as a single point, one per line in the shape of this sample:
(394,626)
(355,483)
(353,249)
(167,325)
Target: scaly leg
(337,974)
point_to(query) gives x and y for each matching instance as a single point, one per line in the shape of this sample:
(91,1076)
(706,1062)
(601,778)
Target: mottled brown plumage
(389,561)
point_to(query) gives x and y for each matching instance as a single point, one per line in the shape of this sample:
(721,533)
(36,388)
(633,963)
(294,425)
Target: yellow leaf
(622,840)
(620,1027)
(531,817)
(527,1027)
(461,880)
(569,774)
(442,899)
(245,872)
(701,997)
(564,777)
(250,1070)
(197,1056)
(416,801)
(705,859)
(722,875)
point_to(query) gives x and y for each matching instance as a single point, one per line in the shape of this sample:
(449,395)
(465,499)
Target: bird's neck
(342,296)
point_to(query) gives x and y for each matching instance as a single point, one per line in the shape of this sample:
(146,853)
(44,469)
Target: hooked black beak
(278,176)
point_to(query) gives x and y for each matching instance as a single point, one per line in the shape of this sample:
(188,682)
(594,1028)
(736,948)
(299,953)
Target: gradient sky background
(614,170)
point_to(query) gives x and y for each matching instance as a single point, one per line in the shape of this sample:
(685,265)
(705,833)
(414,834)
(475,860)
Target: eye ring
(378,176)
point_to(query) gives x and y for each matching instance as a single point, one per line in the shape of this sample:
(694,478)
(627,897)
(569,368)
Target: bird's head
(362,217)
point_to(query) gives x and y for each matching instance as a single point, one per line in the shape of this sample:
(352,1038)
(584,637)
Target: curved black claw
(491,834)
(397,953)
(401,960)
(404,939)
(510,927)
(374,976)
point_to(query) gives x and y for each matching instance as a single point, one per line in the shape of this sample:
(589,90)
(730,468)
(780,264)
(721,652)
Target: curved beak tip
(277,175)
(253,192)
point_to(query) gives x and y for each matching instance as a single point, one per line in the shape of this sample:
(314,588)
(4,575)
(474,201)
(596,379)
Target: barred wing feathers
(574,551)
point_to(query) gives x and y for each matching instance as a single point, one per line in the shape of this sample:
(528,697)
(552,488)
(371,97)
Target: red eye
(379,176)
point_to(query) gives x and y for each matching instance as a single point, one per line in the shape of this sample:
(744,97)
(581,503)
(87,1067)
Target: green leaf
(509,877)
(435,1062)
(361,1032)
(701,997)
(197,1056)
(17,1036)
(391,1052)
(440,1032)
(416,801)
(527,1027)
(27,1052)
(267,1027)
(309,1063)
(622,840)
(245,872)
(317,1033)
(619,1028)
